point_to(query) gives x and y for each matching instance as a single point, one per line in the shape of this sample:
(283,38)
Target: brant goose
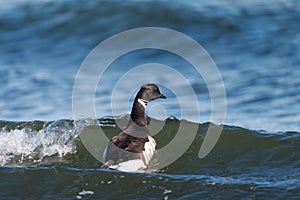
(133,149)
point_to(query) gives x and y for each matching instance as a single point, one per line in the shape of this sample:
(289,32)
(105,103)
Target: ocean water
(255,46)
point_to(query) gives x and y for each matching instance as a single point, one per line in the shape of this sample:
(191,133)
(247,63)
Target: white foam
(18,146)
(84,192)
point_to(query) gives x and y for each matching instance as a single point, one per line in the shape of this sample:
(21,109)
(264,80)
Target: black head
(150,92)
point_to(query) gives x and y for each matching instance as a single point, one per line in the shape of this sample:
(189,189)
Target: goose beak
(162,96)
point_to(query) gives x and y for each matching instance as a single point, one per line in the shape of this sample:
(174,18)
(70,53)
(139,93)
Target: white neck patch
(143,102)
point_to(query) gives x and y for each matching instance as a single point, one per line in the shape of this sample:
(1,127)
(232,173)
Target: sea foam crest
(25,146)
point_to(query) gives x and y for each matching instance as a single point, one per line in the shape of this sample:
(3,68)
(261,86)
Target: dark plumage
(135,141)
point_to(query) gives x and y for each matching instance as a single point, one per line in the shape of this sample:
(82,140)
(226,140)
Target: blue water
(255,45)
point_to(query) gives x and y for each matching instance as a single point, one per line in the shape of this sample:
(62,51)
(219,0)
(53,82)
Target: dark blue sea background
(256,48)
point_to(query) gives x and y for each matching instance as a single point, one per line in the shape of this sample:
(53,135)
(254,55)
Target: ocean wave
(50,156)
(31,143)
(57,143)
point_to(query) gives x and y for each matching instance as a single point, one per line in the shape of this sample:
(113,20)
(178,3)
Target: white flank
(138,164)
(149,150)
(129,166)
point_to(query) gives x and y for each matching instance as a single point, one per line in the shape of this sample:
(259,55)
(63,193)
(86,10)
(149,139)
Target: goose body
(133,149)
